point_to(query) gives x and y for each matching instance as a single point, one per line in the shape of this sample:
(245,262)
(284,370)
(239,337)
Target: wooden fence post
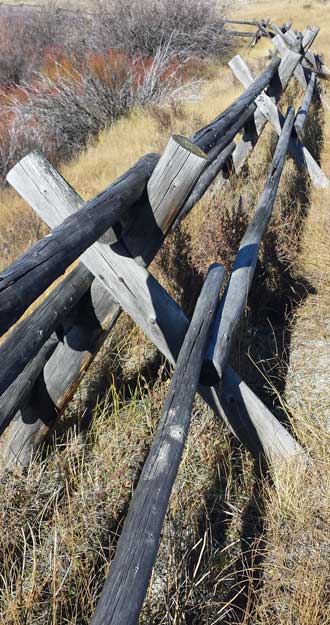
(46,260)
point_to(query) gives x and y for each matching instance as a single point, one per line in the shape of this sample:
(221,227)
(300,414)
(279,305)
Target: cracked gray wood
(125,588)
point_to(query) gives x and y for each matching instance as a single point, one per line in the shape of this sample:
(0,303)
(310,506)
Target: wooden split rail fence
(116,235)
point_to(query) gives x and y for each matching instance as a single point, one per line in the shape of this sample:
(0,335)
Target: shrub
(59,113)
(141,26)
(27,33)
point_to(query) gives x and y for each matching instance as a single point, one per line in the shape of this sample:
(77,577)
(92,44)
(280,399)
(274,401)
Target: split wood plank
(125,588)
(269,110)
(167,325)
(281,45)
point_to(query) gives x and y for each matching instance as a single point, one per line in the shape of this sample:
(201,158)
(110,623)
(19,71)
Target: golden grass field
(251,550)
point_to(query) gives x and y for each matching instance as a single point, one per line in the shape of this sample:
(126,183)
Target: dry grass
(236,548)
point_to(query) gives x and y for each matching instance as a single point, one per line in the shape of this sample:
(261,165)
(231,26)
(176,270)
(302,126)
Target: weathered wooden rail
(115,236)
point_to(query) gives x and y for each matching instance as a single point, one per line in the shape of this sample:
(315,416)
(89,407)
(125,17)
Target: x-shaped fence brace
(122,280)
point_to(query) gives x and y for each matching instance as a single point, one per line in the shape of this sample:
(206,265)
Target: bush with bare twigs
(141,26)
(59,114)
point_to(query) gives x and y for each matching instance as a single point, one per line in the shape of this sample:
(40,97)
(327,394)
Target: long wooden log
(38,267)
(125,588)
(208,136)
(26,339)
(238,33)
(235,297)
(301,155)
(241,22)
(19,392)
(168,187)
(303,110)
(166,325)
(75,352)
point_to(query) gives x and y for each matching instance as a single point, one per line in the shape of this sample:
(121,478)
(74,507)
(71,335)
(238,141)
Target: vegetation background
(235,548)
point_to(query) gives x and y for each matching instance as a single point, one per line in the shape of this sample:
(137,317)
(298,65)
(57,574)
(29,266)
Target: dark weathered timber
(126,586)
(234,299)
(229,135)
(36,269)
(25,341)
(241,22)
(204,182)
(207,137)
(18,394)
(303,110)
(58,373)
(27,338)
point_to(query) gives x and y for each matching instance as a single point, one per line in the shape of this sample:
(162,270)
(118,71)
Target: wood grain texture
(125,588)
(167,326)
(173,179)
(177,171)
(235,297)
(38,267)
(27,338)
(302,156)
